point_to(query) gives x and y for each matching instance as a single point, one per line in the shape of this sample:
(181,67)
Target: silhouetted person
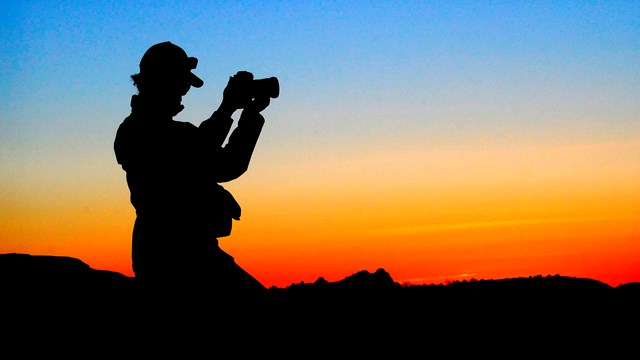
(173,169)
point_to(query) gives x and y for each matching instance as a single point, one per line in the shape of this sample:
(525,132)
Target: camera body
(265,87)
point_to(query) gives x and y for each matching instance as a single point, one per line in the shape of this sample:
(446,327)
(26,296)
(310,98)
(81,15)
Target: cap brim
(195,81)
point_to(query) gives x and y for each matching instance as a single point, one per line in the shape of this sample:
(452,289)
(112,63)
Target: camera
(265,87)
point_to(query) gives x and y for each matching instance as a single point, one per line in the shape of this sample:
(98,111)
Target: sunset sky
(439,140)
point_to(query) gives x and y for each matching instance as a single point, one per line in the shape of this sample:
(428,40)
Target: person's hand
(237,93)
(258,104)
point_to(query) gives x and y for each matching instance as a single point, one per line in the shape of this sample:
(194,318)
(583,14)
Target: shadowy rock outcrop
(44,273)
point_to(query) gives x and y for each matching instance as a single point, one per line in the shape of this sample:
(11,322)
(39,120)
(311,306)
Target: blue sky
(402,57)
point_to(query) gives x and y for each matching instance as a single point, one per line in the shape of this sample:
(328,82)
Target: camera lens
(266,87)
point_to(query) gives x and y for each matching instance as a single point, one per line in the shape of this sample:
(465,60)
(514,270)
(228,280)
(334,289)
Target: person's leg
(233,279)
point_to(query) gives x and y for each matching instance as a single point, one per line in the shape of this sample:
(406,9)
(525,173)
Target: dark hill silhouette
(48,293)
(37,272)
(22,273)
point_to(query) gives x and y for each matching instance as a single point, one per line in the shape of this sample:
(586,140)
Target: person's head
(165,72)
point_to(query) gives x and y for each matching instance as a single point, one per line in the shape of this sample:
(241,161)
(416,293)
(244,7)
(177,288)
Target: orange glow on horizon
(425,216)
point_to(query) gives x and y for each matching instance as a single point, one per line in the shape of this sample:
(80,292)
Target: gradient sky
(439,140)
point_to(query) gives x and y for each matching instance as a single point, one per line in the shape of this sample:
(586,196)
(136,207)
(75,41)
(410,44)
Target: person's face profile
(180,83)
(173,84)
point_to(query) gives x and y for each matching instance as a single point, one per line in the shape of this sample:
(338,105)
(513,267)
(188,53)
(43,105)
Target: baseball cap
(167,57)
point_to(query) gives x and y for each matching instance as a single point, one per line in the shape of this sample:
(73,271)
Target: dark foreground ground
(60,305)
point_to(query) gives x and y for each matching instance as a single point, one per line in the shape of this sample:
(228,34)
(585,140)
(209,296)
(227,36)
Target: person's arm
(215,130)
(232,160)
(236,154)
(235,96)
